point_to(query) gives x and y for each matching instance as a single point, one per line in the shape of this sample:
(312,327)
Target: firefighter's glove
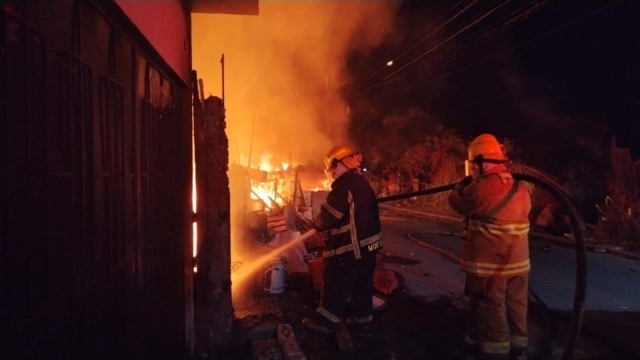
(463,183)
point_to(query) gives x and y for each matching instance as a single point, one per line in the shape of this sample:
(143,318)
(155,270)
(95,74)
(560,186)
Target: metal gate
(95,181)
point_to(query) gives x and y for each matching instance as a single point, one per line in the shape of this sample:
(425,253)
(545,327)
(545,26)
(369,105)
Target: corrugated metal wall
(95,181)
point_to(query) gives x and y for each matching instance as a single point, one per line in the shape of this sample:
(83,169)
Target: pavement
(612,304)
(427,317)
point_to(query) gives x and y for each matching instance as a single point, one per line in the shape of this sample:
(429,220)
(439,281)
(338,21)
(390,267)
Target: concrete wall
(164,24)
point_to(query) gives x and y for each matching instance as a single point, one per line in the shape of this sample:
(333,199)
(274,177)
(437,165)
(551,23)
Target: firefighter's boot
(316,325)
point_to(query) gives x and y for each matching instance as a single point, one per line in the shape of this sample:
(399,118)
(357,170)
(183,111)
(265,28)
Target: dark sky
(555,79)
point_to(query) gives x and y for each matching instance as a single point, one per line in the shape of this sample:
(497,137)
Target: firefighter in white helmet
(351,216)
(495,253)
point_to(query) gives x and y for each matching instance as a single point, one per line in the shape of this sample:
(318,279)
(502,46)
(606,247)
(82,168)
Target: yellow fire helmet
(336,154)
(486,145)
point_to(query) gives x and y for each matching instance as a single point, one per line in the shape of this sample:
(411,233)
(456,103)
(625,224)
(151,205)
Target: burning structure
(96,179)
(283,101)
(97,173)
(270,202)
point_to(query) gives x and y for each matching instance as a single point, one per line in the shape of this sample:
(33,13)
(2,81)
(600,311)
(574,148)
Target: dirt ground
(407,328)
(431,323)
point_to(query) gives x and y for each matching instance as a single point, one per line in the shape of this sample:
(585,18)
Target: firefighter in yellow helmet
(495,253)
(340,159)
(351,216)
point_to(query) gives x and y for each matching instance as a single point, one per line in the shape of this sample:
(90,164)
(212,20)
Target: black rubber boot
(518,354)
(316,325)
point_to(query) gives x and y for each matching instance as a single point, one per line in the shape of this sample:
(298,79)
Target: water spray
(555,190)
(264,259)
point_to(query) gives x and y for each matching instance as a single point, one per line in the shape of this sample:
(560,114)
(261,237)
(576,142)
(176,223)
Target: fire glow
(283,98)
(244,273)
(267,195)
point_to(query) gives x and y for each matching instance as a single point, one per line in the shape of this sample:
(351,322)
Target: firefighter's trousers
(345,277)
(499,311)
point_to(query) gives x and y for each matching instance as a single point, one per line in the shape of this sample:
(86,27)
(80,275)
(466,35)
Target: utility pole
(251,140)
(222,63)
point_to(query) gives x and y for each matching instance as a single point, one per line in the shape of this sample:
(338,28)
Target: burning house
(275,201)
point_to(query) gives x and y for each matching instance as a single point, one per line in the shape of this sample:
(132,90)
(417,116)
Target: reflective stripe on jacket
(351,215)
(496,227)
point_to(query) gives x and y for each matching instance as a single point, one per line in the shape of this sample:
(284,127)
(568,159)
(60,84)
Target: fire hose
(578,232)
(580,247)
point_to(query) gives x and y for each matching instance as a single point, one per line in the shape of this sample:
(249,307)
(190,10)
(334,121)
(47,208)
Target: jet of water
(247,270)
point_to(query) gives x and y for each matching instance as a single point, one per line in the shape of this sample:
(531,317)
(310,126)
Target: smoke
(568,138)
(283,72)
(395,133)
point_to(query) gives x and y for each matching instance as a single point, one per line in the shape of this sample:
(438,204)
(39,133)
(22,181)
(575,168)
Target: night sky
(558,89)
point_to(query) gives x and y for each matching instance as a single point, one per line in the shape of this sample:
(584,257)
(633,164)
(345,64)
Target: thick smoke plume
(283,72)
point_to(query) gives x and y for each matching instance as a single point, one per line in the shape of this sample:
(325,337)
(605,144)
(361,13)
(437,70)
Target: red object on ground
(315,271)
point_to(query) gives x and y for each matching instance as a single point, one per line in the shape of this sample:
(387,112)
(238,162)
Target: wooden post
(251,141)
(295,191)
(222,65)
(301,194)
(201,90)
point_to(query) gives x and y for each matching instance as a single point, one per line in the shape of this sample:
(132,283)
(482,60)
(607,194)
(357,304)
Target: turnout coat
(351,215)
(496,225)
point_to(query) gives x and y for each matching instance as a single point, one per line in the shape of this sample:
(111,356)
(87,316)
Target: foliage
(438,160)
(582,176)
(427,159)
(386,139)
(619,220)
(619,223)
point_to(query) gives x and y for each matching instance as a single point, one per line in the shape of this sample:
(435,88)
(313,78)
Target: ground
(427,317)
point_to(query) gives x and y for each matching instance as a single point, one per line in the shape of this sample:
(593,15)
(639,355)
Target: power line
(505,51)
(394,59)
(449,38)
(428,35)
(457,51)
(409,41)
